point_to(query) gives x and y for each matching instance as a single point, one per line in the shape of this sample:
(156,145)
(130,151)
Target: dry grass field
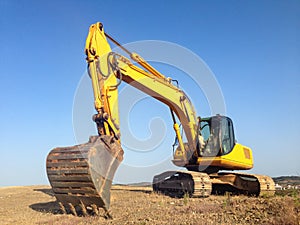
(139,205)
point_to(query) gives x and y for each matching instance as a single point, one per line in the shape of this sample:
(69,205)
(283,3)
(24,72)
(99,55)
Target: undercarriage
(197,184)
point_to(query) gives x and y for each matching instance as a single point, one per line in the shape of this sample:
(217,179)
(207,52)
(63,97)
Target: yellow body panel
(240,158)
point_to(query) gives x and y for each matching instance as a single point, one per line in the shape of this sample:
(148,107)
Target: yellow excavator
(81,176)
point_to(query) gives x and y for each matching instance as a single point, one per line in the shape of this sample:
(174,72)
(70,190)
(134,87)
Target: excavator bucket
(81,176)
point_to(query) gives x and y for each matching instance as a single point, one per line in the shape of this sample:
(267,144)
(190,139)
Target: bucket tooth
(62,208)
(108,214)
(95,209)
(72,209)
(83,209)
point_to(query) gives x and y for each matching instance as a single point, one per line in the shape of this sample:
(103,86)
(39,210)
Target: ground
(139,205)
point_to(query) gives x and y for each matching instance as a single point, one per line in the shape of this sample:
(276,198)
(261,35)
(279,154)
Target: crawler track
(196,184)
(179,183)
(251,184)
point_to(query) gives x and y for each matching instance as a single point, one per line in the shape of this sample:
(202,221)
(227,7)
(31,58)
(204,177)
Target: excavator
(81,176)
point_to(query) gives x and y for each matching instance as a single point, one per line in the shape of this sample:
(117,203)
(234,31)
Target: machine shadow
(54,208)
(170,194)
(143,191)
(47,207)
(47,191)
(132,189)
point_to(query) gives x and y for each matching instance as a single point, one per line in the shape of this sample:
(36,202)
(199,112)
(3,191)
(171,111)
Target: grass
(227,201)
(186,198)
(288,192)
(32,205)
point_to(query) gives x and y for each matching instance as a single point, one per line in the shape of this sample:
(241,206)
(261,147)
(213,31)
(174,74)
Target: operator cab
(218,136)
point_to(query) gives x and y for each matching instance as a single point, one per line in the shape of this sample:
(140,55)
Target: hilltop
(287,180)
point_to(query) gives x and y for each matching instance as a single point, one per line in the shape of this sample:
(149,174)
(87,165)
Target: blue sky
(252,47)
